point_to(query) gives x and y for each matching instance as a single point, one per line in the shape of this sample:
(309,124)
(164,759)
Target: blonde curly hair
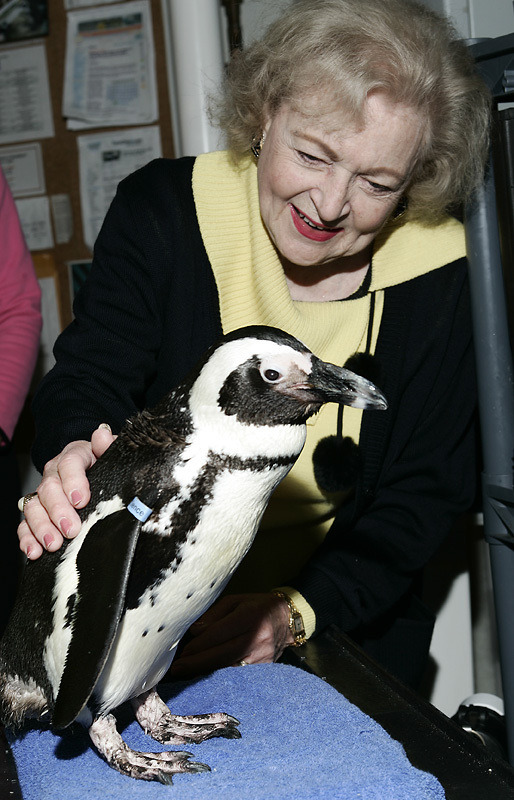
(349,48)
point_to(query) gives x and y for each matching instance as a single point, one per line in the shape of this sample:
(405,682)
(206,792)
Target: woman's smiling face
(327,186)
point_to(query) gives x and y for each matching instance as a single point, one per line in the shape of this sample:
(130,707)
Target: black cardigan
(151,308)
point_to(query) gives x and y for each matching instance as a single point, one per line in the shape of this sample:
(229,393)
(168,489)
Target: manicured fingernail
(48,540)
(65,526)
(104,426)
(76,497)
(28,551)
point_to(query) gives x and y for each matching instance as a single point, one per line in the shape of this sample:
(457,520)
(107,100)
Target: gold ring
(243,663)
(22,502)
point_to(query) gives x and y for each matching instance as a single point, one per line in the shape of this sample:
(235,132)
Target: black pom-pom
(336,462)
(366,365)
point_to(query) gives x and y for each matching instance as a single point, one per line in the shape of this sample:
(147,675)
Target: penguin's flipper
(103,564)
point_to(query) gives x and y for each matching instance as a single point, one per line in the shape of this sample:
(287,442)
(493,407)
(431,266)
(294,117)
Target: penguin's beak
(329,383)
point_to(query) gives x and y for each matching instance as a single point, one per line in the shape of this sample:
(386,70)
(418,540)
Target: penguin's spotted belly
(98,623)
(148,635)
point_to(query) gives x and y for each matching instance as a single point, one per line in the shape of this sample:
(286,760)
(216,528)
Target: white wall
(472,18)
(257,15)
(476,19)
(491,17)
(457,10)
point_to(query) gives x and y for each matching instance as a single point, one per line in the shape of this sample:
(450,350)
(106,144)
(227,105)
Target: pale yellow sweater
(253,291)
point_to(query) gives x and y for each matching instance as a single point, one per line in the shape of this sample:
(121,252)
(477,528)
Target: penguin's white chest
(148,635)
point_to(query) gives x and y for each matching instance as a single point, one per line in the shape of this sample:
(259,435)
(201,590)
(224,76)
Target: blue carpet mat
(301,740)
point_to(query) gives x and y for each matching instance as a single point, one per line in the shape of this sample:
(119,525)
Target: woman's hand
(244,627)
(64,487)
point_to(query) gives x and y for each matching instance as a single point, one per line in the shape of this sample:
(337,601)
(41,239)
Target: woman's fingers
(50,537)
(64,479)
(101,439)
(252,627)
(27,542)
(64,488)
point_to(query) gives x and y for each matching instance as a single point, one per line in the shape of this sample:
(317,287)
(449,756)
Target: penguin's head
(264,376)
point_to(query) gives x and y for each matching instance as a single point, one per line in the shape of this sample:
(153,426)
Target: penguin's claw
(172,729)
(157,720)
(155,766)
(143,766)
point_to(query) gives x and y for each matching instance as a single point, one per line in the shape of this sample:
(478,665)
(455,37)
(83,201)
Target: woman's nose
(331,197)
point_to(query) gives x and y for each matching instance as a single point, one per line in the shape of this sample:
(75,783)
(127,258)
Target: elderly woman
(353,127)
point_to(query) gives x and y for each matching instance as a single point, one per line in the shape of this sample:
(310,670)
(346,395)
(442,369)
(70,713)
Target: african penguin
(175,503)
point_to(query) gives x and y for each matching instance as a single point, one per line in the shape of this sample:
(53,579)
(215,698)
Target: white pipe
(197,63)
(170,73)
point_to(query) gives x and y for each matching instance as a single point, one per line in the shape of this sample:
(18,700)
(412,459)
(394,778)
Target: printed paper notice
(34,214)
(110,65)
(104,160)
(25,108)
(62,217)
(22,165)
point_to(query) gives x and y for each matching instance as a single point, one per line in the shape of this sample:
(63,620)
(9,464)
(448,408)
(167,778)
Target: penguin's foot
(143,766)
(156,719)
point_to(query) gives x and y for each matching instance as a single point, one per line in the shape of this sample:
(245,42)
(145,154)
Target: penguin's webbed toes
(143,766)
(173,729)
(160,767)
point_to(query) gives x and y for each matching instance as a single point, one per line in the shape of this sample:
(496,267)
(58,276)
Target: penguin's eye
(271,375)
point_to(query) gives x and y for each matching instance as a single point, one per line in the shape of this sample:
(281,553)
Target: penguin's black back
(29,626)
(126,469)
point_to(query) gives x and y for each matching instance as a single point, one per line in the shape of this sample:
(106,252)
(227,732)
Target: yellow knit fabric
(253,291)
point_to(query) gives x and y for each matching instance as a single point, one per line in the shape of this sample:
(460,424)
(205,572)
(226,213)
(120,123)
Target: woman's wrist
(295,622)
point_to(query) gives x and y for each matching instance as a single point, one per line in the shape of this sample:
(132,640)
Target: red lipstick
(309,228)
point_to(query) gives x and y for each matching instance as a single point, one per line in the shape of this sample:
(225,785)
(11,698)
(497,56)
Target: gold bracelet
(296,625)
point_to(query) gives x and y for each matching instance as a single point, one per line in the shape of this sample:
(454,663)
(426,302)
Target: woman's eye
(308,158)
(272,375)
(380,188)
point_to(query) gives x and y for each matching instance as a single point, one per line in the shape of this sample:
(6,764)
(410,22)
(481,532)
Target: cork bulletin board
(60,153)
(56,172)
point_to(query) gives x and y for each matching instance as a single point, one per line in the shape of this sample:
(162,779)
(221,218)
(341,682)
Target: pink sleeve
(20,316)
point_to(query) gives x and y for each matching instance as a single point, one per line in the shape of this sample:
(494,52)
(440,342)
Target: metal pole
(496,403)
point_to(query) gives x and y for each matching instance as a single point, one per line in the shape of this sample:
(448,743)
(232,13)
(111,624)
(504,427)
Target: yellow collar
(244,258)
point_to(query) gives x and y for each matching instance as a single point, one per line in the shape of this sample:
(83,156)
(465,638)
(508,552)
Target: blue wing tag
(138,509)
